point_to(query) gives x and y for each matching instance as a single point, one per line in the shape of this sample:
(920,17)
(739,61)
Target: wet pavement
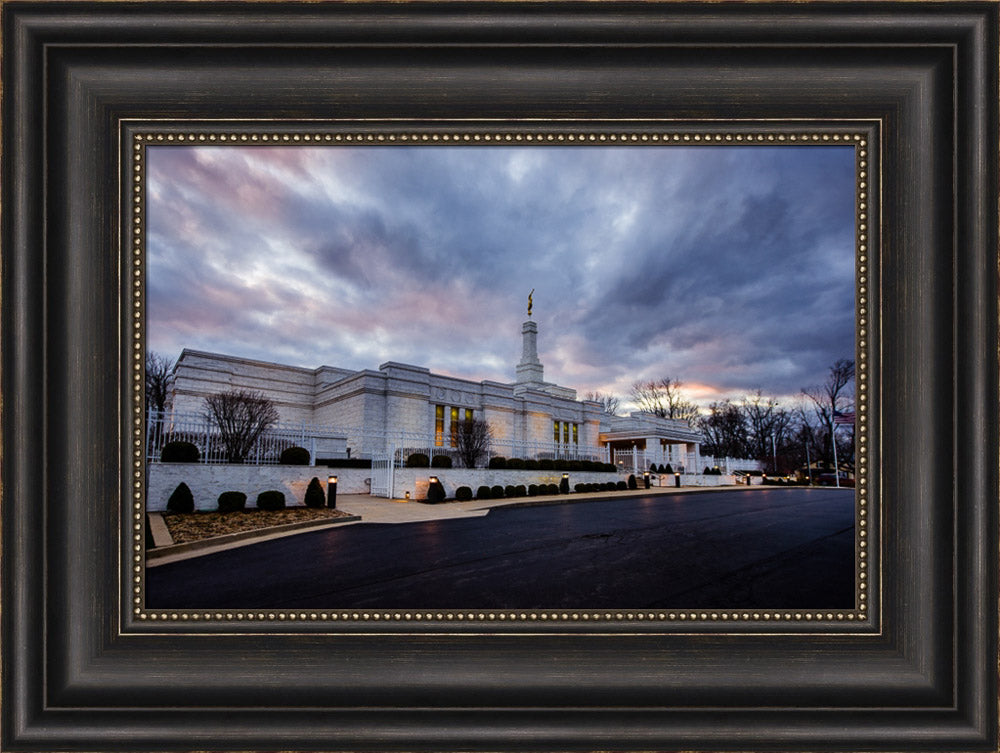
(762,547)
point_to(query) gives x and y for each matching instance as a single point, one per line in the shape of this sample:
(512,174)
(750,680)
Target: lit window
(454,427)
(468,415)
(565,432)
(438,425)
(576,434)
(555,432)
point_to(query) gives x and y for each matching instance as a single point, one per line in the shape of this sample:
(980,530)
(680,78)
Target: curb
(194,548)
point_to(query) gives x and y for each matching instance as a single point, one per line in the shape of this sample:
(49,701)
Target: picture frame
(82,671)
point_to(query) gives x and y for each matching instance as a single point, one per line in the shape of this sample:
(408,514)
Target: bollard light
(564,484)
(406,494)
(645,479)
(677,479)
(331,491)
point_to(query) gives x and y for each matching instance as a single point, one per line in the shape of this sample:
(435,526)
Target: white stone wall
(207,481)
(416,480)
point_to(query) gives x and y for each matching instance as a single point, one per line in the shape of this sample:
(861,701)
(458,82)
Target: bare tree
(472,441)
(608,402)
(663,398)
(158,372)
(835,395)
(725,431)
(767,427)
(242,417)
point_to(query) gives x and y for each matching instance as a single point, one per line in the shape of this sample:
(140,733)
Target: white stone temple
(405,405)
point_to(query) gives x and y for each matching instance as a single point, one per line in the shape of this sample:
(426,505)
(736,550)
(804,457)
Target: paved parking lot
(761,547)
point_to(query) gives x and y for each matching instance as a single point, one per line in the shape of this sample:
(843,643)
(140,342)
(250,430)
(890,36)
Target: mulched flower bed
(194,526)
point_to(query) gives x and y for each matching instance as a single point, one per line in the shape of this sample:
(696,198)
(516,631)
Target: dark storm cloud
(726,267)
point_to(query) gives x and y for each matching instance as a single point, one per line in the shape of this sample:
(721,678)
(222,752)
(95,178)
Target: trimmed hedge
(483,492)
(463,494)
(546,464)
(294,456)
(552,488)
(520,491)
(579,488)
(496,492)
(435,492)
(531,465)
(532,490)
(510,491)
(232,502)
(181,500)
(179,452)
(621,486)
(632,482)
(271,500)
(418,460)
(515,464)
(441,461)
(497,464)
(669,469)
(315,497)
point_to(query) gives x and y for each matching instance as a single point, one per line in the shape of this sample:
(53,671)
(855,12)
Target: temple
(401,405)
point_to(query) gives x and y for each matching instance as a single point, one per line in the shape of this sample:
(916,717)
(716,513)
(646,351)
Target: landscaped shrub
(531,465)
(314,494)
(181,500)
(546,464)
(631,481)
(498,464)
(532,490)
(520,491)
(515,464)
(554,488)
(707,471)
(179,452)
(435,492)
(509,491)
(496,492)
(418,460)
(652,467)
(232,502)
(483,492)
(441,461)
(609,486)
(621,486)
(463,493)
(271,500)
(573,465)
(294,456)
(578,488)
(668,469)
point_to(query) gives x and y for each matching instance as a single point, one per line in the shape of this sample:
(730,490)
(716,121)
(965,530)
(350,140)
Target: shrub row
(607,486)
(182,500)
(187,452)
(548,464)
(661,468)
(712,471)
(420,460)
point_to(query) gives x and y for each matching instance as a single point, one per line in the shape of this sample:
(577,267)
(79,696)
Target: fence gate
(383,466)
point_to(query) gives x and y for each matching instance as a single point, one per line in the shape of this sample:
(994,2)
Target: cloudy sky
(729,268)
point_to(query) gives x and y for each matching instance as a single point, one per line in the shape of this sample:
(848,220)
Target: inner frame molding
(863,137)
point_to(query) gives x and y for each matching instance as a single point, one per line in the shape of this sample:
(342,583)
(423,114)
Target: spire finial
(529,300)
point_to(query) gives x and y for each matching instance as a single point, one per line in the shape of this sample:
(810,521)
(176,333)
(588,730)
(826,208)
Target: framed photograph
(390,224)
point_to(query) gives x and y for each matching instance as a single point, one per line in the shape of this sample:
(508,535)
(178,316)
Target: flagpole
(833,438)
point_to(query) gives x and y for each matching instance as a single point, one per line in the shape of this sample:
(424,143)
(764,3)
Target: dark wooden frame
(79,674)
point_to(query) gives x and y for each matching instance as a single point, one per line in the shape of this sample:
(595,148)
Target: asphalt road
(765,548)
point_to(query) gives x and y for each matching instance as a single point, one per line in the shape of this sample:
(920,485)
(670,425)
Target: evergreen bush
(179,452)
(578,488)
(441,461)
(463,494)
(418,460)
(271,500)
(546,464)
(553,488)
(496,492)
(669,469)
(294,456)
(435,492)
(497,463)
(315,497)
(532,490)
(520,491)
(515,464)
(621,486)
(631,481)
(181,500)
(232,502)
(483,492)
(510,491)
(531,464)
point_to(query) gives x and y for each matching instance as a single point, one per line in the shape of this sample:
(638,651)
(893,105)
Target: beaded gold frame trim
(142,135)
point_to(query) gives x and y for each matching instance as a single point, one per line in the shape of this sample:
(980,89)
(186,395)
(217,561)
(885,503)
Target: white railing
(637,461)
(339,442)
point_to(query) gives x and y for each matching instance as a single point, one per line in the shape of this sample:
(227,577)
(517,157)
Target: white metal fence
(637,461)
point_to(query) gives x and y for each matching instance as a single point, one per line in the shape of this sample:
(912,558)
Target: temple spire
(529,370)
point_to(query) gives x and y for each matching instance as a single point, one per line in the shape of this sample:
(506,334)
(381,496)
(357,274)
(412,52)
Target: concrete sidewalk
(381,510)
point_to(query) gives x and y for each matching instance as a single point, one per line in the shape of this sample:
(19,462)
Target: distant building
(402,405)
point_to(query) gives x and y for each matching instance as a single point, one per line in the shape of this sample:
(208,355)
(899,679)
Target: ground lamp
(331,491)
(645,479)
(564,484)
(677,479)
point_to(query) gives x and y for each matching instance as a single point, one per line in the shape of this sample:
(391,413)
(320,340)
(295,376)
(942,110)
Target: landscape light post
(677,480)
(645,479)
(331,491)
(564,484)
